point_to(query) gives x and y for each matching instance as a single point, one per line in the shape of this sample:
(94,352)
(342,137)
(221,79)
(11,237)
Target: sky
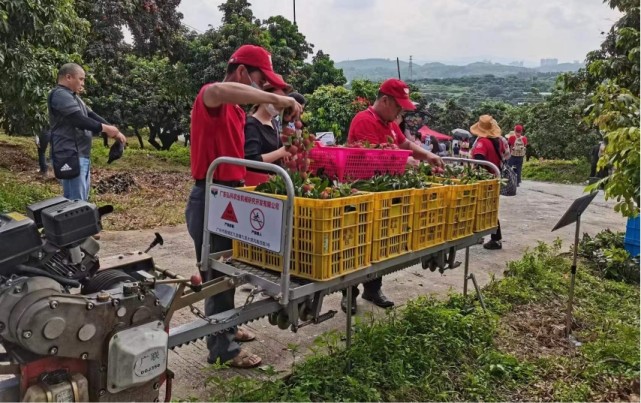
(448,31)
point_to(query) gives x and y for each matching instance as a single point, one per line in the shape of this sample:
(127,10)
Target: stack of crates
(487,205)
(631,241)
(428,224)
(330,238)
(392,231)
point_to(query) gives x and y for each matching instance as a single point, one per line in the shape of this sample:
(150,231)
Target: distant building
(516,63)
(549,62)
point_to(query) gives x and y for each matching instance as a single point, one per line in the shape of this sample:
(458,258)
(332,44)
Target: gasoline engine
(73,330)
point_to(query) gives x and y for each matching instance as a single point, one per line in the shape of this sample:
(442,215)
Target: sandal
(245,359)
(244,335)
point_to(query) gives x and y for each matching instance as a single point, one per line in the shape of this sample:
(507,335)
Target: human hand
(434,160)
(121,138)
(285,154)
(413,162)
(291,107)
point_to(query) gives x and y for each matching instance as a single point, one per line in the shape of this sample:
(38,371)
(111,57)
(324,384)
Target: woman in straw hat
(490,146)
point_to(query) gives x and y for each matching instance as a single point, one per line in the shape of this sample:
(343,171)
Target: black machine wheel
(282,320)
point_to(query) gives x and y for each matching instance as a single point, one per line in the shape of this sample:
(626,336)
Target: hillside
(378,69)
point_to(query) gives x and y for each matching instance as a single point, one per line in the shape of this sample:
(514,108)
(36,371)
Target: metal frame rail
(286,295)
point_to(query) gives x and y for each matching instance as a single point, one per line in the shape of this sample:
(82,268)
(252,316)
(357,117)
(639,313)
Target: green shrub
(437,351)
(608,258)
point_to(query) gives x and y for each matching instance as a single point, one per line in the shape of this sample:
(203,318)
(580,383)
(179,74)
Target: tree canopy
(149,83)
(611,83)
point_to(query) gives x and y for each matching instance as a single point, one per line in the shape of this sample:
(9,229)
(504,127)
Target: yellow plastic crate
(487,205)
(330,238)
(392,228)
(428,223)
(461,209)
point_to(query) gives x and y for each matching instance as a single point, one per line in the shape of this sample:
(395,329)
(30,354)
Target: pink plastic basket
(357,163)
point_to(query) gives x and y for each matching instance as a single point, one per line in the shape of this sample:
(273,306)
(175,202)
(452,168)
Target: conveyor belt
(270,283)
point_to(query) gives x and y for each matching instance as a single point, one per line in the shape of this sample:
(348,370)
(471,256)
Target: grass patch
(15,195)
(157,196)
(558,171)
(176,159)
(439,351)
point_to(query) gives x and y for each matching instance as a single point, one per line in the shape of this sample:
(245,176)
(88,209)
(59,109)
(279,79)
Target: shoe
(378,299)
(493,245)
(344,303)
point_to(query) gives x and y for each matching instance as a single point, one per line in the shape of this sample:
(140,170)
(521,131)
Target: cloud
(441,30)
(353,4)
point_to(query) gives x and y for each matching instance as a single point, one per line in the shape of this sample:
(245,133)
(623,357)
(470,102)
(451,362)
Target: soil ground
(526,219)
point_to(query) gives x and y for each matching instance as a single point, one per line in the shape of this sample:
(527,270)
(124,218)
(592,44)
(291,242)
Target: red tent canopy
(426,131)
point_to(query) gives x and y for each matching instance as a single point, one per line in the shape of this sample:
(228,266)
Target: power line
(193,28)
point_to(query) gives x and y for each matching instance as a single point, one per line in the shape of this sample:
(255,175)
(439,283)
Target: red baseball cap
(518,129)
(399,91)
(258,57)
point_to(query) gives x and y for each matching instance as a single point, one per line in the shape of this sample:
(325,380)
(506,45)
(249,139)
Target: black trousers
(221,346)
(371,287)
(43,139)
(517,163)
(497,236)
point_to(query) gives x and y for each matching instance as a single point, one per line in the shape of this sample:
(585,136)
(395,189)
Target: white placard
(327,138)
(246,216)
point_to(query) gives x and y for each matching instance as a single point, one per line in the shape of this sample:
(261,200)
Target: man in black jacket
(73,125)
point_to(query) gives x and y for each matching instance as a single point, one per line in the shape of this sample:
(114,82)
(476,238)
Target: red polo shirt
(368,126)
(485,147)
(216,132)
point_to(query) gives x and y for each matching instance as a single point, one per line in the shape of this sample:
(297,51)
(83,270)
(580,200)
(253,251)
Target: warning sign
(257,219)
(229,214)
(246,216)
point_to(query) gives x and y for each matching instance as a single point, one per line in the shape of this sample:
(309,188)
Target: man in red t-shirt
(217,130)
(518,143)
(377,125)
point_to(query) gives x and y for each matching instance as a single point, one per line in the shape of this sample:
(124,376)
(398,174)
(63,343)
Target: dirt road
(526,219)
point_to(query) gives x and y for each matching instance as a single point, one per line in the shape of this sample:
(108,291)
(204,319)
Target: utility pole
(294,12)
(410,67)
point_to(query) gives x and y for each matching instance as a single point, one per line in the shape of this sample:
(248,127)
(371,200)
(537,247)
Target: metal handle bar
(488,164)
(289,216)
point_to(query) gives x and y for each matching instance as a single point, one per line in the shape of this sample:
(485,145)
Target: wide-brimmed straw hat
(486,127)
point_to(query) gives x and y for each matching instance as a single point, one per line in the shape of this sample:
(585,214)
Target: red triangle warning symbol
(229,214)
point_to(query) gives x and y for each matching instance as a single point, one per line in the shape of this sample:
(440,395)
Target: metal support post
(568,317)
(348,316)
(348,326)
(466,271)
(478,290)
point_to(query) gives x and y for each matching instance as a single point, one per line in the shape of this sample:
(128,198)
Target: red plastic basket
(357,163)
